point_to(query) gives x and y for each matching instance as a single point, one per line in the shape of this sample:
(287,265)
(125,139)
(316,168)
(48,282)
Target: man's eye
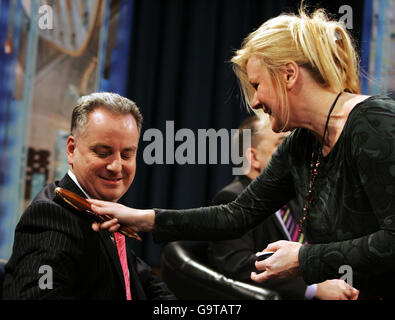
(101,154)
(126,156)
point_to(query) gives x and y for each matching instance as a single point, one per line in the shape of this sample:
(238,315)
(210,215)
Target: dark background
(180,71)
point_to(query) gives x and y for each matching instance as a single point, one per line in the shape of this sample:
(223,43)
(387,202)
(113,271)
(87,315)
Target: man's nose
(115,164)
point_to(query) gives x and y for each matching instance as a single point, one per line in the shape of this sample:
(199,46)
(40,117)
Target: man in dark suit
(56,254)
(236,258)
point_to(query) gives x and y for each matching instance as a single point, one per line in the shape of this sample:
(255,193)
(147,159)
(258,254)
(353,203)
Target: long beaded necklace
(316,158)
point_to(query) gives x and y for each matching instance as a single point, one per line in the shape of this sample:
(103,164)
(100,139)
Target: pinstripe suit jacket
(84,263)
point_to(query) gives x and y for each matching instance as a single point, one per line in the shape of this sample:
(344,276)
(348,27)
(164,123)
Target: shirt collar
(74,178)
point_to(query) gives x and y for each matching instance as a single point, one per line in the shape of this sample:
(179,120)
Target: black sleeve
(264,196)
(154,287)
(223,197)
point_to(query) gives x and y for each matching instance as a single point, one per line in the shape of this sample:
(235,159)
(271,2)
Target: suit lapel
(68,184)
(109,245)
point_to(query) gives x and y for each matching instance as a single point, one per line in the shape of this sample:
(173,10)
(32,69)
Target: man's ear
(251,155)
(70,149)
(291,74)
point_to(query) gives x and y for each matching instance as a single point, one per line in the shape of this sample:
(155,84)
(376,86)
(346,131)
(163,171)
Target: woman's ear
(291,74)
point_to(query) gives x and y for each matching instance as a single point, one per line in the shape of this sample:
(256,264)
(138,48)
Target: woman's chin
(276,127)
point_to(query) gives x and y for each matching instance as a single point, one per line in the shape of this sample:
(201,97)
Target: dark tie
(121,247)
(291,225)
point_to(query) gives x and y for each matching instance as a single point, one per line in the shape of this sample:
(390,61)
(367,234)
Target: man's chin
(109,192)
(109,197)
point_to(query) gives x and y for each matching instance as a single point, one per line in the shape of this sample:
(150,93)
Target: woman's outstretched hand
(138,220)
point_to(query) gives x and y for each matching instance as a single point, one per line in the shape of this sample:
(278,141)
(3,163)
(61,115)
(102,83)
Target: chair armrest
(190,278)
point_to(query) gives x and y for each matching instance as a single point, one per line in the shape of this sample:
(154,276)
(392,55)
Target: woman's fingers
(98,203)
(111,225)
(99,206)
(95,226)
(274,246)
(283,264)
(96,209)
(114,228)
(112,209)
(259,277)
(351,293)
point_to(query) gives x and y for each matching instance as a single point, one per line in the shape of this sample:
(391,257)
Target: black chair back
(184,268)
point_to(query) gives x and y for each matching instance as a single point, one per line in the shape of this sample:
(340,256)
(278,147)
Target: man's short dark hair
(256,126)
(107,100)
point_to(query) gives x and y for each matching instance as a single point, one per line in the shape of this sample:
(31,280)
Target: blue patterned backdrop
(15,115)
(10,121)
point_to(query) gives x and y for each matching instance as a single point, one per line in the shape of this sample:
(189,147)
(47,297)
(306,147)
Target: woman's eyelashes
(255,86)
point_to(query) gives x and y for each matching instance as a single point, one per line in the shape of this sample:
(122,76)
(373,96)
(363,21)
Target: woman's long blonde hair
(314,42)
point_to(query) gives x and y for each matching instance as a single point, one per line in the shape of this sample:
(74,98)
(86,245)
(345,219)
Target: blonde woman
(338,162)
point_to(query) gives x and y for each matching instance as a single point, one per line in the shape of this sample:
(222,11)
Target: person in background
(236,258)
(56,254)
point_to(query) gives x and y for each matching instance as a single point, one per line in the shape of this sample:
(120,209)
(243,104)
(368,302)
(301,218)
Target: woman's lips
(267,110)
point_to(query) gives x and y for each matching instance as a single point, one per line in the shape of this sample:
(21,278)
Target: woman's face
(265,97)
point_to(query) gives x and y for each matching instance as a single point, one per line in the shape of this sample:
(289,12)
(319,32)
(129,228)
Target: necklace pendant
(308,198)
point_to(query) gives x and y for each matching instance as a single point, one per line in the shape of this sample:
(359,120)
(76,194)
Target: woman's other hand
(283,264)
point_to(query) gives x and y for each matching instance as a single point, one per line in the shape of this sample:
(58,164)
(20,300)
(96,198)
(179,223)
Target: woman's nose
(255,103)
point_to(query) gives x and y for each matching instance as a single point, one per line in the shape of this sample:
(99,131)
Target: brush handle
(80,204)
